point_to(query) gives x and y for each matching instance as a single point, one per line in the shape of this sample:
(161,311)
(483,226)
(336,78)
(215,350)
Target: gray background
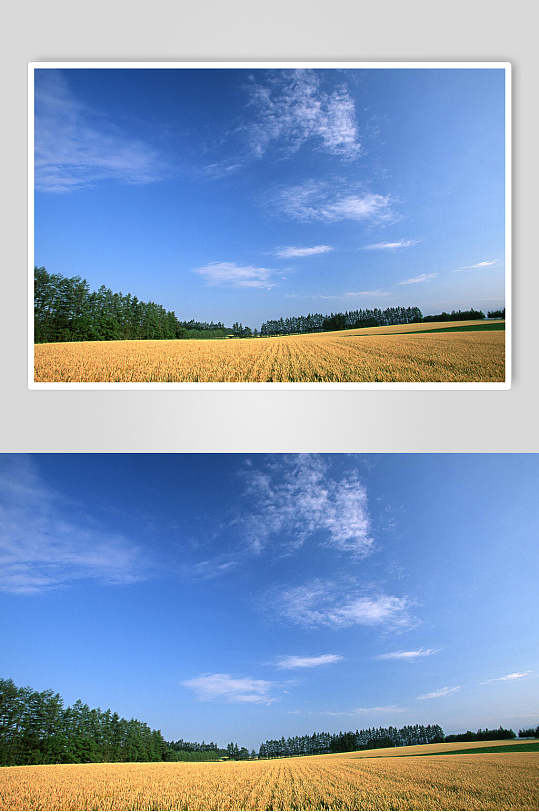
(269,420)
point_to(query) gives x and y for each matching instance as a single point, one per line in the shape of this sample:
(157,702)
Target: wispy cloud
(298,498)
(292,251)
(332,202)
(376,292)
(76,148)
(240,276)
(414,280)
(390,246)
(508,677)
(210,568)
(408,655)
(488,263)
(300,661)
(45,546)
(224,687)
(440,692)
(326,603)
(221,169)
(292,108)
(383,709)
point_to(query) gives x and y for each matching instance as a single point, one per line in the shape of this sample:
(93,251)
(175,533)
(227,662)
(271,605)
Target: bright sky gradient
(233,597)
(248,194)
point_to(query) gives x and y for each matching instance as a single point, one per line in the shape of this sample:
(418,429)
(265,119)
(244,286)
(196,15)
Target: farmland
(345,781)
(443,352)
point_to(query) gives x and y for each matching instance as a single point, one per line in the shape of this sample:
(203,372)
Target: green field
(521,747)
(464,328)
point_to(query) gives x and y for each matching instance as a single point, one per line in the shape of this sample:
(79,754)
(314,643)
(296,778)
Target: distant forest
(66,310)
(36,728)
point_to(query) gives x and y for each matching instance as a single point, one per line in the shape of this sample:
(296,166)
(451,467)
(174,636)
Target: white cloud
(45,545)
(339,605)
(440,692)
(408,655)
(240,276)
(210,568)
(390,246)
(299,661)
(423,277)
(332,202)
(376,292)
(291,108)
(221,169)
(76,148)
(374,709)
(297,497)
(292,251)
(210,687)
(508,677)
(488,263)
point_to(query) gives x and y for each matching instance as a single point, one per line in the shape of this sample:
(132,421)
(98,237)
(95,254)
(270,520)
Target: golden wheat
(345,781)
(364,355)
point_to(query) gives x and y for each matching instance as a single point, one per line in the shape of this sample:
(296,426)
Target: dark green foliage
(318,322)
(482,735)
(347,742)
(457,315)
(530,732)
(66,310)
(35,728)
(496,314)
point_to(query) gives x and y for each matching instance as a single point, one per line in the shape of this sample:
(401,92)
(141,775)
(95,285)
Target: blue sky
(249,194)
(248,597)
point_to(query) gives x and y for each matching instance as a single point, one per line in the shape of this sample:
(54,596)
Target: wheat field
(400,353)
(339,782)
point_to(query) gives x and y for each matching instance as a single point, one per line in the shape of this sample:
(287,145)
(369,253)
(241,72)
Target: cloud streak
(508,677)
(76,148)
(43,546)
(446,691)
(488,263)
(239,276)
(390,246)
(291,251)
(224,687)
(301,661)
(408,655)
(422,277)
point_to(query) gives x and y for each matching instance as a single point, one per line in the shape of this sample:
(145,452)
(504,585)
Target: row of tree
(36,728)
(456,315)
(318,322)
(317,743)
(482,735)
(66,310)
(529,733)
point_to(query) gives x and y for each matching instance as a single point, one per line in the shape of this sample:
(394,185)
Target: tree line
(529,733)
(319,322)
(352,319)
(66,310)
(36,728)
(318,743)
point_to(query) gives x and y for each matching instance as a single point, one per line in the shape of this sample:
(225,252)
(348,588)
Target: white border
(506,66)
